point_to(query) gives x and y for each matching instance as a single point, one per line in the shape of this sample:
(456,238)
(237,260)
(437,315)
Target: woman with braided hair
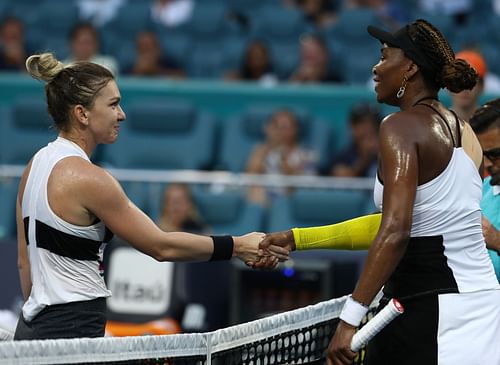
(427,246)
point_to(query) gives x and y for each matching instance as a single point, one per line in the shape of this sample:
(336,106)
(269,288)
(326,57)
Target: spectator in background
(496,7)
(315,62)
(489,80)
(280,154)
(458,9)
(13,50)
(84,44)
(171,13)
(486,124)
(466,102)
(99,12)
(359,158)
(319,13)
(149,59)
(256,65)
(389,12)
(178,212)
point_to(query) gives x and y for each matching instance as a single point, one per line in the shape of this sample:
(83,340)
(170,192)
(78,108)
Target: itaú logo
(139,292)
(139,284)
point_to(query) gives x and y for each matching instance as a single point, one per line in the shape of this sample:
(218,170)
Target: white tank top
(65,259)
(449,206)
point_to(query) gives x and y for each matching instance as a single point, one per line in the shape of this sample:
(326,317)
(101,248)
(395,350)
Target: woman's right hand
(247,249)
(274,244)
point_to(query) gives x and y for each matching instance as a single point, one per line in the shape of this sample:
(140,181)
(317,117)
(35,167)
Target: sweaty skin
(415,147)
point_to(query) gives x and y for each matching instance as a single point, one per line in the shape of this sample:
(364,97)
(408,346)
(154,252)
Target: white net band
(80,351)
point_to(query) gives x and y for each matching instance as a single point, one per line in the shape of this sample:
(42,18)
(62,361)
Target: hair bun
(458,76)
(44,66)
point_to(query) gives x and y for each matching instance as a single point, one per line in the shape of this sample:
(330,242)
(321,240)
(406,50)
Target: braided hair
(447,72)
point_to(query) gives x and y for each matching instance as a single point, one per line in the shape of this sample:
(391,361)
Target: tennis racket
(376,324)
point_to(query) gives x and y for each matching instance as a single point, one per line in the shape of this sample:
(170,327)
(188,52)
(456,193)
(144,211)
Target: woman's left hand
(339,350)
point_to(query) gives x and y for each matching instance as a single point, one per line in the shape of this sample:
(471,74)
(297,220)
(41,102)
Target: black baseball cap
(401,39)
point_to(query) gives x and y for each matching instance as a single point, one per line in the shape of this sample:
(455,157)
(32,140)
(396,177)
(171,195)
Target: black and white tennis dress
(68,291)
(445,279)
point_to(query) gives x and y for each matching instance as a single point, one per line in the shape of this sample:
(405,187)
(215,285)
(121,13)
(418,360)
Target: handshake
(264,251)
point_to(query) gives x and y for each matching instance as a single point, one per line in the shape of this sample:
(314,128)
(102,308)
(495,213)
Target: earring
(402,89)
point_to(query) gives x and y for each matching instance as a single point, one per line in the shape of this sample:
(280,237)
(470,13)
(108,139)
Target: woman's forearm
(354,234)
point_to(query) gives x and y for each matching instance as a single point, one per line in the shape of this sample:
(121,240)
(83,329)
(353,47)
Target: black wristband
(223,248)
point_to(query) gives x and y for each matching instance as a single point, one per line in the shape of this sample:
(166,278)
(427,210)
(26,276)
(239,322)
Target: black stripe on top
(65,244)
(26,221)
(108,235)
(423,269)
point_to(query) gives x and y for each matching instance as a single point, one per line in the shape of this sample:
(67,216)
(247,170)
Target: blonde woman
(67,209)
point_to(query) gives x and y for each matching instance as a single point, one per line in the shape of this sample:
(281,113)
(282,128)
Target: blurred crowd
(267,41)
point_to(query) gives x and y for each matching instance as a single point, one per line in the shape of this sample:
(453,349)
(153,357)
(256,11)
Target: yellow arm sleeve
(353,234)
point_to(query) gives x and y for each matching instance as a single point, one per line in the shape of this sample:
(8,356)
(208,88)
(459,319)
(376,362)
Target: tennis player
(67,208)
(429,251)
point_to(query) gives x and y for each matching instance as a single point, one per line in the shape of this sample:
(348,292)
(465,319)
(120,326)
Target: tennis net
(300,336)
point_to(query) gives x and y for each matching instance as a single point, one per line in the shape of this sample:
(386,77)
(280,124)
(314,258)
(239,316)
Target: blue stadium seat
(56,18)
(23,10)
(281,29)
(277,24)
(4,9)
(58,45)
(8,188)
(175,43)
(443,22)
(26,128)
(132,18)
(206,61)
(306,208)
(246,8)
(241,133)
(491,54)
(163,134)
(125,54)
(207,21)
(118,36)
(225,212)
(228,212)
(234,51)
(137,192)
(285,58)
(349,37)
(207,29)
(8,194)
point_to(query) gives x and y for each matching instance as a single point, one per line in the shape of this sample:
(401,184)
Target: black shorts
(69,320)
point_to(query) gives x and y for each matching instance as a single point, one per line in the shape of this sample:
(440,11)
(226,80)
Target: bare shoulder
(82,176)
(406,124)
(471,145)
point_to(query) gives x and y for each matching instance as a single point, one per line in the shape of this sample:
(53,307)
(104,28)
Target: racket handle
(376,324)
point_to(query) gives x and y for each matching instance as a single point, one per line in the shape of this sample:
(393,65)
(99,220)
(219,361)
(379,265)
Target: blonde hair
(44,67)
(67,86)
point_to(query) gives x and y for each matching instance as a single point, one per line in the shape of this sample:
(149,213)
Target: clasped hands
(265,251)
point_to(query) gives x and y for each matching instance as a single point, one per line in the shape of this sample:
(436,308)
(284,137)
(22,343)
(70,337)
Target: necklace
(425,98)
